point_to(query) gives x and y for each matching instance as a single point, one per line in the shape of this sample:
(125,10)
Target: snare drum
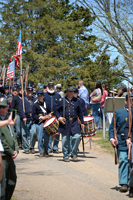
(51,126)
(89,126)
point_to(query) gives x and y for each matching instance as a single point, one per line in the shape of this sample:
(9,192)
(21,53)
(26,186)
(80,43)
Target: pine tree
(56,39)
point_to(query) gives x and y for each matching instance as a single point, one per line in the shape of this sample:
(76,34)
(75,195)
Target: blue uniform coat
(126,129)
(121,114)
(28,108)
(52,99)
(72,126)
(37,111)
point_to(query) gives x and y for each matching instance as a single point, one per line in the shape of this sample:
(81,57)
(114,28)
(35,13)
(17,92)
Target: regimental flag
(11,70)
(18,51)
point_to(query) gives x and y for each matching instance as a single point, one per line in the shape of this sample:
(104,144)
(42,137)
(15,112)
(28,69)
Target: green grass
(104,143)
(13,198)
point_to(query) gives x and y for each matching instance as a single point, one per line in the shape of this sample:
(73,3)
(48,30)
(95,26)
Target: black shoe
(32,151)
(55,151)
(50,151)
(75,159)
(131,192)
(41,155)
(124,188)
(66,159)
(27,152)
(46,153)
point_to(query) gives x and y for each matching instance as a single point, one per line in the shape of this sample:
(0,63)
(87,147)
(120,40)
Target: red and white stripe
(9,74)
(19,49)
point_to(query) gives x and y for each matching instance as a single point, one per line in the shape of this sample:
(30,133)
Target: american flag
(11,70)
(18,51)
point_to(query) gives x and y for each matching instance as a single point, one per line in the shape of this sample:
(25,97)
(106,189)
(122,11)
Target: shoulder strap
(121,125)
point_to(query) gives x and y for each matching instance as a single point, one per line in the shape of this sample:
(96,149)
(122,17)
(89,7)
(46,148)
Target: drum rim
(56,134)
(89,135)
(89,120)
(48,120)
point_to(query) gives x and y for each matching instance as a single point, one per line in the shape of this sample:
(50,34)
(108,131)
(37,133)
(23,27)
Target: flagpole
(9,86)
(4,76)
(22,82)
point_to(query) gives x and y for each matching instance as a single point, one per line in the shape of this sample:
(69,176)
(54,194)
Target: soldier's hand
(62,120)
(15,153)
(113,142)
(82,127)
(128,142)
(25,120)
(46,117)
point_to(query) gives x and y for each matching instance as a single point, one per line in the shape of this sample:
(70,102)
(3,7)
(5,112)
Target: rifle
(130,125)
(114,131)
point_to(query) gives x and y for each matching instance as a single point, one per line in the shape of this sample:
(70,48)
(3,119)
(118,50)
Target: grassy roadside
(13,198)
(104,143)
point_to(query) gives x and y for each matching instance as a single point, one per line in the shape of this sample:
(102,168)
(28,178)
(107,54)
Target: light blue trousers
(43,138)
(67,148)
(124,169)
(28,130)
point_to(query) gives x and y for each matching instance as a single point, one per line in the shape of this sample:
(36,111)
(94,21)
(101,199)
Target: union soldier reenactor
(52,98)
(15,105)
(28,127)
(40,112)
(129,141)
(69,124)
(121,117)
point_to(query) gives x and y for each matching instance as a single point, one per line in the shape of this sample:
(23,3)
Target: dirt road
(93,177)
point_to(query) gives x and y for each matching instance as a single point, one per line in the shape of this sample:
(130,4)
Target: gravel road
(93,177)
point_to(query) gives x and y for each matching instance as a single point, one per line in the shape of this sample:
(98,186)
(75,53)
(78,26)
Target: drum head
(88,119)
(49,122)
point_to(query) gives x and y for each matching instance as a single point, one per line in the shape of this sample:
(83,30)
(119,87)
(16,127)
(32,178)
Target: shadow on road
(116,188)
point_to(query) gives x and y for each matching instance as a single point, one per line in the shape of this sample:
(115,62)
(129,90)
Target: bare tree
(115,19)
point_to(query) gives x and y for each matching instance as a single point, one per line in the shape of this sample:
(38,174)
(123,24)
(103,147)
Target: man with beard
(52,98)
(40,112)
(28,127)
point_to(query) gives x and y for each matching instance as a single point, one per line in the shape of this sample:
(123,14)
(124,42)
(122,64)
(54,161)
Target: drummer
(69,125)
(40,112)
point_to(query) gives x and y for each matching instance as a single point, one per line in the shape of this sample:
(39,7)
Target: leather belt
(29,114)
(71,118)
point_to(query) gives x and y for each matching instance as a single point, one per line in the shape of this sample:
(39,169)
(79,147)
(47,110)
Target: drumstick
(50,113)
(40,120)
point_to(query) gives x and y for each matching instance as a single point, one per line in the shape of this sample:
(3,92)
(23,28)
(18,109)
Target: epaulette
(36,101)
